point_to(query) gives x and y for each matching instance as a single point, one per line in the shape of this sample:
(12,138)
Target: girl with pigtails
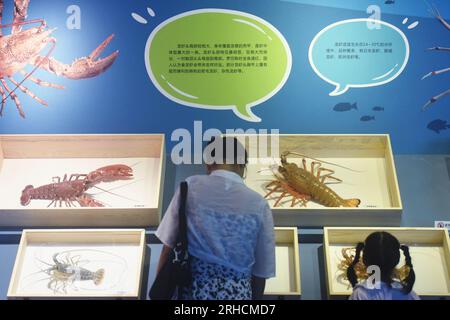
(382,250)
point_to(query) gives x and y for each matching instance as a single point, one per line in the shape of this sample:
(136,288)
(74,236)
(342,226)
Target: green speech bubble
(218,59)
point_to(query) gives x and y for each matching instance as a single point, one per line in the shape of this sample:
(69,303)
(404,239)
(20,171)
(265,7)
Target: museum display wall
(95,119)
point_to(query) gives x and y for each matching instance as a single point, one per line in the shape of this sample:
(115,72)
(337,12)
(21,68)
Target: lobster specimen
(348,255)
(303,185)
(69,190)
(23,47)
(438,16)
(66,269)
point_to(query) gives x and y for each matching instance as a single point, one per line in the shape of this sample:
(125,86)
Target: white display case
(364,163)
(80,264)
(429,249)
(287,280)
(37,160)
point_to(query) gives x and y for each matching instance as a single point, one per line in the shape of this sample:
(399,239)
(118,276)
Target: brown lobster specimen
(303,185)
(24,47)
(69,190)
(348,255)
(438,16)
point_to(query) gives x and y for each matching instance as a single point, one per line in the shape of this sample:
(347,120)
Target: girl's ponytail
(408,282)
(351,274)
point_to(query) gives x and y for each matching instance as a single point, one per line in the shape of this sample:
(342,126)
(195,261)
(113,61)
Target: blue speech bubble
(359,53)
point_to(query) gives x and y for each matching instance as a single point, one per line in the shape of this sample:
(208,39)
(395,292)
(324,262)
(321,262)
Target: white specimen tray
(369,175)
(116,255)
(429,248)
(36,160)
(134,193)
(287,278)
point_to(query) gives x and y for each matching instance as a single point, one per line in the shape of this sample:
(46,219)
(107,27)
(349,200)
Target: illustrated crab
(438,16)
(24,47)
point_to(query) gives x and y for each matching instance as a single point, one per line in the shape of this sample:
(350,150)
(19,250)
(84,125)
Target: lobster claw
(90,66)
(110,173)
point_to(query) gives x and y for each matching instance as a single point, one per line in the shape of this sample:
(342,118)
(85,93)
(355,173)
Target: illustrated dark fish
(389,2)
(367,118)
(438,125)
(378,108)
(345,106)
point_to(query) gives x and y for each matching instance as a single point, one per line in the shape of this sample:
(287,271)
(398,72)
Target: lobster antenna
(123,186)
(269,168)
(431,8)
(322,161)
(37,281)
(436,10)
(42,261)
(98,251)
(115,194)
(134,165)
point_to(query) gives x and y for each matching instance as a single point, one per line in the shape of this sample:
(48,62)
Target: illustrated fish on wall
(345,106)
(438,125)
(367,118)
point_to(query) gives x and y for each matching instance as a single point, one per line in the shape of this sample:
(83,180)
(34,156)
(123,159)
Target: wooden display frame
(287,280)
(78,236)
(42,147)
(373,155)
(427,276)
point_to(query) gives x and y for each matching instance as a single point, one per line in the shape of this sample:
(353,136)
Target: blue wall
(124,100)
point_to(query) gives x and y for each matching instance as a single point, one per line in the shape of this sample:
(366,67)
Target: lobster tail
(98,276)
(353,203)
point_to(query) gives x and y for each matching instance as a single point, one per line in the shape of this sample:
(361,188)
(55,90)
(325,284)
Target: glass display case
(430,254)
(81,180)
(105,263)
(356,167)
(287,280)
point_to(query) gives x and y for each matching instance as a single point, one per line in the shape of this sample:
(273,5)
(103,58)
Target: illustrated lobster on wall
(24,47)
(430,102)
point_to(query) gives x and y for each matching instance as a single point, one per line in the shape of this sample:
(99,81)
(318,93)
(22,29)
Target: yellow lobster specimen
(303,185)
(348,255)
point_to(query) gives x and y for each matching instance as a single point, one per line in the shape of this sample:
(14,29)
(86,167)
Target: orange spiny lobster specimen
(23,47)
(304,185)
(69,190)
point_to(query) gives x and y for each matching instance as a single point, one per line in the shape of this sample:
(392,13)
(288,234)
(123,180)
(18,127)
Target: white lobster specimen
(24,47)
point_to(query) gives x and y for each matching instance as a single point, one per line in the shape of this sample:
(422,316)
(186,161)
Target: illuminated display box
(287,279)
(61,264)
(365,164)
(28,162)
(429,249)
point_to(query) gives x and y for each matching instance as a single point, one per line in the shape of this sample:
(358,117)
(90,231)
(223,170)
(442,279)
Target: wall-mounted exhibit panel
(325,180)
(81,180)
(105,263)
(287,279)
(429,249)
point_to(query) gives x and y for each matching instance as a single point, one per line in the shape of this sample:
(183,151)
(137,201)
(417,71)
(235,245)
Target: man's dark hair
(233,152)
